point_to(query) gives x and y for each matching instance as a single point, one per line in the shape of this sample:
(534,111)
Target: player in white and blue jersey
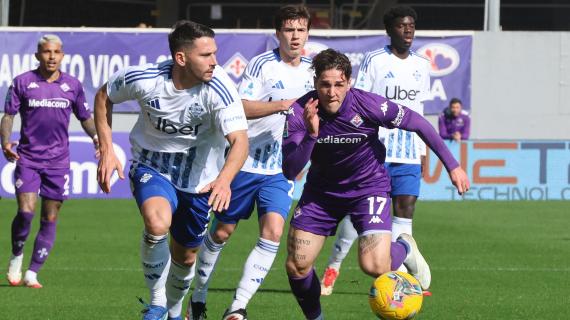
(401,75)
(271,83)
(189,108)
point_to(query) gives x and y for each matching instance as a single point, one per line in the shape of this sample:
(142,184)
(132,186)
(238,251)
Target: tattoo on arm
(6,128)
(369,242)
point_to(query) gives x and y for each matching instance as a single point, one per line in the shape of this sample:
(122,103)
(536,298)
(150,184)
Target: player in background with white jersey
(401,75)
(44,98)
(271,83)
(189,108)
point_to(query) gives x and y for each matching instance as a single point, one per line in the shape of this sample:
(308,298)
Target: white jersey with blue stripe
(404,81)
(179,133)
(268,78)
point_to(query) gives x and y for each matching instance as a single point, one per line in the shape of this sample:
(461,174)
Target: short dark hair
(331,59)
(455,100)
(184,32)
(398,12)
(291,12)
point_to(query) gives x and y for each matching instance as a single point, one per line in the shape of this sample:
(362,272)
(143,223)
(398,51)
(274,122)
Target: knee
(296,268)
(272,233)
(375,268)
(221,235)
(155,224)
(185,258)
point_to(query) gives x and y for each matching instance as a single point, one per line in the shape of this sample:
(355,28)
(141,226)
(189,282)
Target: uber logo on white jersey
(398,93)
(171,128)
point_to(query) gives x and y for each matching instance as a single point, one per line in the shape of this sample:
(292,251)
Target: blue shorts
(271,193)
(405,179)
(190,212)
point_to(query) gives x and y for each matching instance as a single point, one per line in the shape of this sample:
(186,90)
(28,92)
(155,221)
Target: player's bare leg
(21,225)
(302,250)
(374,253)
(258,264)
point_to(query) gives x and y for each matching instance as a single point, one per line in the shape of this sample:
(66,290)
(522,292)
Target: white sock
(177,286)
(255,270)
(30,276)
(399,226)
(155,258)
(344,240)
(206,263)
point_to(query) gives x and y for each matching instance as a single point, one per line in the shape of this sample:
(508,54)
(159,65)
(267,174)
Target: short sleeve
(366,75)
(227,106)
(80,106)
(122,86)
(12,102)
(251,87)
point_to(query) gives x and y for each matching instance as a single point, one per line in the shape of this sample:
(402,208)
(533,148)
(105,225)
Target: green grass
(490,260)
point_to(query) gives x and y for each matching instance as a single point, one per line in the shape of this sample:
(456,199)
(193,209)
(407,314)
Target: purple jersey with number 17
(45,109)
(347,159)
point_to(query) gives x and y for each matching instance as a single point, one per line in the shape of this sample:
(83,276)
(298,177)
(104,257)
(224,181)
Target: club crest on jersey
(195,109)
(65,87)
(19,183)
(357,120)
(297,213)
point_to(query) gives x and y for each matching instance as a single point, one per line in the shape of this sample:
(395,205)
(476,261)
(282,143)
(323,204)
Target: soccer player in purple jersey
(454,123)
(44,98)
(336,127)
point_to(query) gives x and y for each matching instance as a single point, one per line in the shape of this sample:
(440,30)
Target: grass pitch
(489,260)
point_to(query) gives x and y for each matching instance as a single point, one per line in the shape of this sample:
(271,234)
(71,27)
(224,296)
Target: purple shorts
(321,214)
(52,183)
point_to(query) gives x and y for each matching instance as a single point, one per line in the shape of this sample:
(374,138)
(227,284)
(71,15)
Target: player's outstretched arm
(6,126)
(414,122)
(108,161)
(220,188)
(259,109)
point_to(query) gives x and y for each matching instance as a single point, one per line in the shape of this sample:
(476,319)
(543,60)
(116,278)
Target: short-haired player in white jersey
(401,75)
(271,83)
(189,109)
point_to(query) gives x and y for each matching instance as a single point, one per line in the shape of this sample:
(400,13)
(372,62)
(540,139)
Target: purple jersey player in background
(338,131)
(454,123)
(45,98)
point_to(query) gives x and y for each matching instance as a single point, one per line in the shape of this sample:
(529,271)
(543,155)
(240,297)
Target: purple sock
(307,291)
(20,230)
(398,252)
(43,244)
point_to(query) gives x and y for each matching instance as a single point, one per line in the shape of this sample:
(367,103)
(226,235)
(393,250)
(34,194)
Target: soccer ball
(395,295)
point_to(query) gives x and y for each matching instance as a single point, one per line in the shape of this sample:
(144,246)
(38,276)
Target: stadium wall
(520,81)
(520,86)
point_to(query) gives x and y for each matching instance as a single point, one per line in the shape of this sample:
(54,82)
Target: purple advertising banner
(83,169)
(92,56)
